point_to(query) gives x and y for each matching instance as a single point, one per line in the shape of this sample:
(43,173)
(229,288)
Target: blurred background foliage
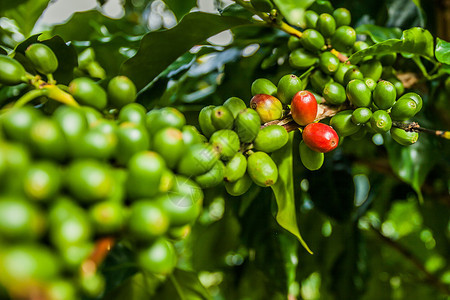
(360,214)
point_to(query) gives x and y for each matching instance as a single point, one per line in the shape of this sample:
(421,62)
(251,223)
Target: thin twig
(415,127)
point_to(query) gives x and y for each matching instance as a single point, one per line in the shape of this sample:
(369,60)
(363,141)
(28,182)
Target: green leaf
(284,191)
(412,163)
(443,51)
(294,10)
(139,286)
(159,49)
(182,285)
(236,10)
(414,41)
(25,14)
(378,33)
(180,8)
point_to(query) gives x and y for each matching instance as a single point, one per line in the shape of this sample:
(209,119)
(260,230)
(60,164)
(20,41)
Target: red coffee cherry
(320,137)
(304,108)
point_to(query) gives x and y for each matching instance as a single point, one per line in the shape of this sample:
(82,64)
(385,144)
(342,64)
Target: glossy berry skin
(304,108)
(302,59)
(342,17)
(11,71)
(268,107)
(320,137)
(42,57)
(312,40)
(121,91)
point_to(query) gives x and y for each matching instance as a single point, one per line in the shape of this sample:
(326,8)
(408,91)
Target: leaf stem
(177,287)
(29,96)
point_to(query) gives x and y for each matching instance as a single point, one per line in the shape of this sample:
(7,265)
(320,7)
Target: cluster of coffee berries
(102,167)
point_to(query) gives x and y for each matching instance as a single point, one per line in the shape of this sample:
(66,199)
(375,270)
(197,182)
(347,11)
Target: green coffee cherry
(235,167)
(271,138)
(319,80)
(400,89)
(340,72)
(205,122)
(262,169)
(403,109)
(328,62)
(42,57)
(11,71)
(107,217)
(387,59)
(403,137)
(121,91)
(147,220)
(311,18)
(380,121)
(198,159)
(358,93)
(240,186)
(268,107)
(222,118)
(360,45)
(287,87)
(312,40)
(235,105)
(361,115)
(293,43)
(87,92)
(326,25)
(371,84)
(343,38)
(342,17)
(42,181)
(191,135)
(169,143)
(17,123)
(263,86)
(158,258)
(163,118)
(384,95)
(73,123)
(225,142)
(372,69)
(262,5)
(47,139)
(302,59)
(342,123)
(132,139)
(247,125)
(211,178)
(415,97)
(352,73)
(311,159)
(134,113)
(334,93)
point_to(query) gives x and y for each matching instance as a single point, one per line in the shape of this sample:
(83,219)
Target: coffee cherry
(42,57)
(416,98)
(340,72)
(134,113)
(11,71)
(361,115)
(247,125)
(268,107)
(371,84)
(387,59)
(312,160)
(403,109)
(302,59)
(87,92)
(204,120)
(262,169)
(163,118)
(42,181)
(121,91)
(358,93)
(293,43)
(222,118)
(311,18)
(271,138)
(312,40)
(147,220)
(235,105)
(342,17)
(318,80)
(287,87)
(400,89)
(334,93)
(47,139)
(240,186)
(304,108)
(403,137)
(342,123)
(132,139)
(343,38)
(158,258)
(326,25)
(235,167)
(191,136)
(263,86)
(360,45)
(107,217)
(328,63)
(320,137)
(372,69)
(211,178)
(352,73)
(169,143)
(384,95)
(225,142)
(381,121)
(17,123)
(73,123)
(198,159)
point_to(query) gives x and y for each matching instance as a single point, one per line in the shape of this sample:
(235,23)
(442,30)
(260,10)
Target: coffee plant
(305,158)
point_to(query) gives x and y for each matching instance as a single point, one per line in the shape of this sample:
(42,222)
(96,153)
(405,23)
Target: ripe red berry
(320,137)
(304,108)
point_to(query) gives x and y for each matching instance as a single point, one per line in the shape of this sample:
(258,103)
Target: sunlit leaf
(378,33)
(294,10)
(284,191)
(180,8)
(443,51)
(25,14)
